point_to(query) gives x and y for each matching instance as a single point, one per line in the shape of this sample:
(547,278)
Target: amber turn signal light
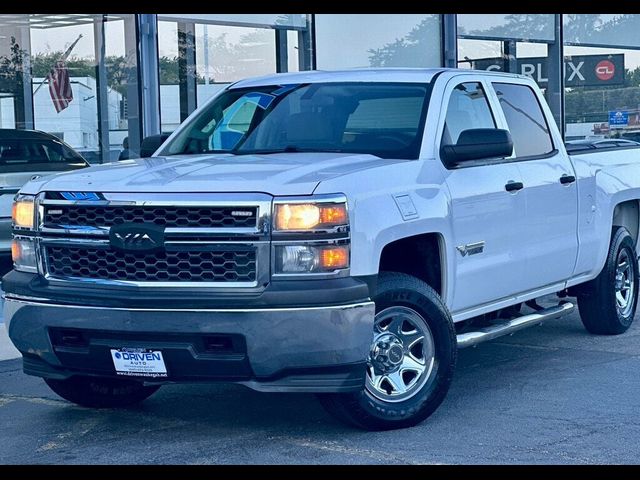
(334,257)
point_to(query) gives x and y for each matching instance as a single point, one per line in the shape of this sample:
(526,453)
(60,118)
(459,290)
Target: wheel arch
(421,255)
(627,214)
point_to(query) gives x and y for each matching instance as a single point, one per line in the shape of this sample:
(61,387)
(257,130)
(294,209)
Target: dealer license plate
(138,362)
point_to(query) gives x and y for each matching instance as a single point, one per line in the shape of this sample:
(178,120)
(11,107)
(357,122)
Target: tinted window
(37,154)
(468,108)
(381,119)
(373,114)
(525,120)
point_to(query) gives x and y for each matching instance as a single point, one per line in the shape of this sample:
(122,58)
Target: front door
(487,212)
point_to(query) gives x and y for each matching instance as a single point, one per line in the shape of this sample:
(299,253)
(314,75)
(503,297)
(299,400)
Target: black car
(574,146)
(25,154)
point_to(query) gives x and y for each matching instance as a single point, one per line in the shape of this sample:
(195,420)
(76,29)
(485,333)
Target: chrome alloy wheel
(402,354)
(624,283)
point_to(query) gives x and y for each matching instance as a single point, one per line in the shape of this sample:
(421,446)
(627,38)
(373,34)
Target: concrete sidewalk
(7,350)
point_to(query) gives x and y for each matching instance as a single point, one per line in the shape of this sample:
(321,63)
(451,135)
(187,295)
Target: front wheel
(411,360)
(97,392)
(608,303)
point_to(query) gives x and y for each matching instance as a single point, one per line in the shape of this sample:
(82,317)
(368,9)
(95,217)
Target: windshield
(382,119)
(41,154)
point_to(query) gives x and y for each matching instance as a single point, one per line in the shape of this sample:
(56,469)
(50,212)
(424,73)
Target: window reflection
(71,102)
(368,40)
(602,98)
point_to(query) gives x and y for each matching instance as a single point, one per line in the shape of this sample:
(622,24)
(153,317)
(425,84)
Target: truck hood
(277,174)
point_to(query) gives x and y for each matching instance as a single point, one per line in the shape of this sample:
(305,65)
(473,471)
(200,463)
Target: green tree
(117,68)
(520,25)
(632,77)
(403,51)
(41,64)
(168,68)
(11,77)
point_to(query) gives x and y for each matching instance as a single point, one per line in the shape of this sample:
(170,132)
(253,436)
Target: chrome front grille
(210,240)
(224,265)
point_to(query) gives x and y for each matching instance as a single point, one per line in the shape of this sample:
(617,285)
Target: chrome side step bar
(470,339)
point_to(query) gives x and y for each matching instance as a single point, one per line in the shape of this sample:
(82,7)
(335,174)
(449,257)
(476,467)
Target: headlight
(23,212)
(308,216)
(311,259)
(23,253)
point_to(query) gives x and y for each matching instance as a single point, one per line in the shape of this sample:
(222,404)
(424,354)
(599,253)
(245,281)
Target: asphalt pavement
(551,394)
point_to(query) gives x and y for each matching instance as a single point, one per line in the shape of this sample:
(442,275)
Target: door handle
(513,186)
(567,179)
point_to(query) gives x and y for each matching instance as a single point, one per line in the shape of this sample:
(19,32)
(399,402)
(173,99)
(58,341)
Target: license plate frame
(139,362)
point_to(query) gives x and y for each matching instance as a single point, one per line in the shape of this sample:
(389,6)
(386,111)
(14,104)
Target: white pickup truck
(342,233)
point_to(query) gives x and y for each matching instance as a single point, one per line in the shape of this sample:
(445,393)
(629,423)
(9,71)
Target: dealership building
(137,75)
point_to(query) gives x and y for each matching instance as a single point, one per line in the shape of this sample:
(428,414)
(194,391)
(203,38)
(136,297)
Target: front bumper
(308,349)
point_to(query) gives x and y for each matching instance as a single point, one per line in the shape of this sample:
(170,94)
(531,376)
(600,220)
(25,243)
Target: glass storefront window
(517,43)
(225,54)
(374,40)
(293,51)
(601,30)
(121,70)
(602,85)
(599,106)
(168,73)
(77,124)
(261,20)
(523,27)
(100,57)
(15,75)
(594,91)
(200,54)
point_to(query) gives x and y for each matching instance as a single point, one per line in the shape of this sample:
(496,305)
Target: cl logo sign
(605,70)
(136,237)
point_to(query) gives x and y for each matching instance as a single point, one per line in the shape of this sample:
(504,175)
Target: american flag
(60,86)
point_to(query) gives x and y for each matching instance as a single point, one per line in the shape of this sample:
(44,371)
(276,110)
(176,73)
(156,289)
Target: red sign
(605,70)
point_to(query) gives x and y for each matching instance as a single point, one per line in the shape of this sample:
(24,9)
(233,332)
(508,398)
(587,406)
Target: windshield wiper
(287,149)
(197,153)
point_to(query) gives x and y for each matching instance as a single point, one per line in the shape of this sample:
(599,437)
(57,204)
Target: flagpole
(63,58)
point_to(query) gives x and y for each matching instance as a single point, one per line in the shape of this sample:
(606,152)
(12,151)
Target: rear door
(486,218)
(549,241)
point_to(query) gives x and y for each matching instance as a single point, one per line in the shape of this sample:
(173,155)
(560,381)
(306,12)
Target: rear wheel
(411,360)
(96,392)
(608,303)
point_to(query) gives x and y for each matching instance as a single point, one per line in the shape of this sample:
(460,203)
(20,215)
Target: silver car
(25,154)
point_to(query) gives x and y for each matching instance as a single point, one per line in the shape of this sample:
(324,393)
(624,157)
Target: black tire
(368,412)
(97,392)
(599,310)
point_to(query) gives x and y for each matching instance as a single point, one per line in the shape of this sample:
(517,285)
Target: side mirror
(151,143)
(477,144)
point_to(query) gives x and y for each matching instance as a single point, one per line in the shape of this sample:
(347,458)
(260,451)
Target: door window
(468,108)
(525,119)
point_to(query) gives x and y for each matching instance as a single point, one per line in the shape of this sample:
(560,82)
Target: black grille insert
(166,216)
(232,264)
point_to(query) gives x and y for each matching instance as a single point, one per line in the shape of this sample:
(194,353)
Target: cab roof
(400,75)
